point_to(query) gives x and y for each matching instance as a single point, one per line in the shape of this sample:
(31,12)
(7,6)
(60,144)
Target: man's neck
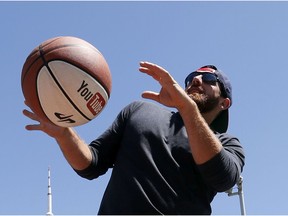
(210,116)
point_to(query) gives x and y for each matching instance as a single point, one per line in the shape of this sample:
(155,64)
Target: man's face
(204,92)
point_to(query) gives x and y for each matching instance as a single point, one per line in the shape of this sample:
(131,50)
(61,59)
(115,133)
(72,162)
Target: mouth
(193,90)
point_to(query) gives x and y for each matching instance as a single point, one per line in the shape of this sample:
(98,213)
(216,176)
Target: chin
(197,97)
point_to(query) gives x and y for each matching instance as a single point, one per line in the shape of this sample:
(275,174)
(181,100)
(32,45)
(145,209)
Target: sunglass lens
(206,77)
(209,78)
(189,79)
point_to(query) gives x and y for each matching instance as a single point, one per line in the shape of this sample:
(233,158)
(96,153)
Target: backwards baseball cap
(220,123)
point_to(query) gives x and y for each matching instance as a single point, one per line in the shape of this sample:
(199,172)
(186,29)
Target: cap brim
(220,124)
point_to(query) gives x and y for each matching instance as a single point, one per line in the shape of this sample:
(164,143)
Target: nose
(196,81)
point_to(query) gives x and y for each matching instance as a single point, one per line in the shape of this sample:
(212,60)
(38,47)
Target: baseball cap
(220,123)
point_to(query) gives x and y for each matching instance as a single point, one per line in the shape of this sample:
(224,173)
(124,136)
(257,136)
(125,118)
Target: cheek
(216,91)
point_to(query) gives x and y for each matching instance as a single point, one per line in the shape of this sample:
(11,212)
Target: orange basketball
(66,80)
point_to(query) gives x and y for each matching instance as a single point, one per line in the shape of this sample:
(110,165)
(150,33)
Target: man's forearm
(203,142)
(75,150)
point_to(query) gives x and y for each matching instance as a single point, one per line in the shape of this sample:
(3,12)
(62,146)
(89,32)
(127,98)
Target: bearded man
(164,162)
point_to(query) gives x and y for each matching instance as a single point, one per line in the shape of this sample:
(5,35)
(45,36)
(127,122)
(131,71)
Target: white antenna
(49,213)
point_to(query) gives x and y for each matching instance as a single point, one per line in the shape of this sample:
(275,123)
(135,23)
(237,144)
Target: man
(163,162)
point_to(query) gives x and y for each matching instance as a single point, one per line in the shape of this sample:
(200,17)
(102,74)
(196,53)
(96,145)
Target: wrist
(63,133)
(187,106)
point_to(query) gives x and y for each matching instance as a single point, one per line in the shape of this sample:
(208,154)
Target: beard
(205,103)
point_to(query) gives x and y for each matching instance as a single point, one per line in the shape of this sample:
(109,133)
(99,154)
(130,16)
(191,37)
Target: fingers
(42,125)
(33,127)
(170,92)
(27,103)
(157,72)
(151,95)
(153,70)
(151,66)
(31,115)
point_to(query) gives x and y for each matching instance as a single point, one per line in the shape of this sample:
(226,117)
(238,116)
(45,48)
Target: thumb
(151,95)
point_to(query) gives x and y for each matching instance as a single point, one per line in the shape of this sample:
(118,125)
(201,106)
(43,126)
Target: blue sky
(247,40)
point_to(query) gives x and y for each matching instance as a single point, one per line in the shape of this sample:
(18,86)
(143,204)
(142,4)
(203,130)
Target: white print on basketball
(96,102)
(66,81)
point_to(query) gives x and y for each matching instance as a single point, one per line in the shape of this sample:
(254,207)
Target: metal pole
(240,193)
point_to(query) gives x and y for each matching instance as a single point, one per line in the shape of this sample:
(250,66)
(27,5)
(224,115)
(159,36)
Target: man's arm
(203,142)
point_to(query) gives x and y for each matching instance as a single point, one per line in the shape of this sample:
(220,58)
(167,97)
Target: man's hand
(171,93)
(47,127)
(75,150)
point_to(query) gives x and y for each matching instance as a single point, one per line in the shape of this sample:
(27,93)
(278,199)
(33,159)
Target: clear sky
(247,40)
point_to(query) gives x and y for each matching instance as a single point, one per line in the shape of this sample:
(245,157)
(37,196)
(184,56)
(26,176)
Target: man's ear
(225,104)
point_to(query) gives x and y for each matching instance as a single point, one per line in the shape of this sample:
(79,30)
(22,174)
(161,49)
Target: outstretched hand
(171,93)
(47,127)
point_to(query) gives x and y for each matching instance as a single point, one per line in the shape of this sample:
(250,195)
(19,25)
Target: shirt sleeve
(223,171)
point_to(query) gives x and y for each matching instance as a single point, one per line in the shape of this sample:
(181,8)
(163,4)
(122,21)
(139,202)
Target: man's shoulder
(146,109)
(228,140)
(146,105)
(224,135)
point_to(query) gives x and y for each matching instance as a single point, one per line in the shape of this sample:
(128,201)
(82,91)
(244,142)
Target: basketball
(66,80)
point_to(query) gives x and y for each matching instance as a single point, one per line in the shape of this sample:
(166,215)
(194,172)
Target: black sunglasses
(209,78)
